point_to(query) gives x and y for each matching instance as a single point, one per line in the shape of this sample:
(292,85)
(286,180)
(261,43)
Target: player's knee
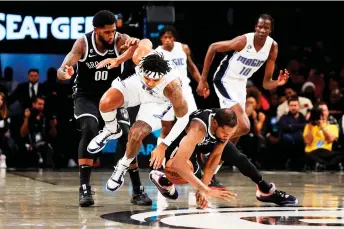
(105,104)
(138,133)
(88,126)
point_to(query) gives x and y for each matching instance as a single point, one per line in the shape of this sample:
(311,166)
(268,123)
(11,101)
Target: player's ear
(95,30)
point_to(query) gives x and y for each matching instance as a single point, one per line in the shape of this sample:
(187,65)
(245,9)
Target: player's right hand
(221,194)
(201,200)
(203,88)
(114,63)
(68,72)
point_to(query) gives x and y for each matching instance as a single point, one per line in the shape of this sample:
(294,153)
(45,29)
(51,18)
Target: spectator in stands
(319,135)
(8,148)
(26,92)
(308,91)
(37,130)
(291,128)
(283,108)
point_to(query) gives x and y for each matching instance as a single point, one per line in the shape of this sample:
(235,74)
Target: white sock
(110,120)
(159,141)
(218,168)
(126,161)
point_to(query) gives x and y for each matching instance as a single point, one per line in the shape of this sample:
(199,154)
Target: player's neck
(99,45)
(259,41)
(168,49)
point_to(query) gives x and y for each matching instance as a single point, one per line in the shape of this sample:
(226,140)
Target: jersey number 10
(245,71)
(101,75)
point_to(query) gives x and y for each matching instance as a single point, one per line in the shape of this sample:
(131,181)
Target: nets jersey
(243,64)
(90,81)
(208,142)
(178,60)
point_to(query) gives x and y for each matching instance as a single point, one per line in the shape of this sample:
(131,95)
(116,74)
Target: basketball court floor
(47,199)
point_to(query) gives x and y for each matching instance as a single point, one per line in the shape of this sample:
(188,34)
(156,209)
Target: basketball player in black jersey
(89,86)
(209,130)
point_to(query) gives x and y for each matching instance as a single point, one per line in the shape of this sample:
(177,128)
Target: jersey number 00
(101,75)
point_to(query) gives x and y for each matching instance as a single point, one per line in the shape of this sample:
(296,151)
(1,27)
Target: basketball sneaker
(3,161)
(116,180)
(165,187)
(275,196)
(215,184)
(85,196)
(140,197)
(98,143)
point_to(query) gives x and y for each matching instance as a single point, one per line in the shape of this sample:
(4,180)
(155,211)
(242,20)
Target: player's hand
(132,41)
(27,113)
(157,156)
(221,194)
(68,72)
(203,88)
(283,77)
(114,63)
(201,200)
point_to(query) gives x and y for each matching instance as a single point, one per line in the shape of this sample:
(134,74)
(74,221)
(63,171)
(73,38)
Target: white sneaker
(72,164)
(169,192)
(3,162)
(98,143)
(116,180)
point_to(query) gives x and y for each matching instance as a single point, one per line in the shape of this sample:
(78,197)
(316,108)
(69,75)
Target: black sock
(85,174)
(264,186)
(135,179)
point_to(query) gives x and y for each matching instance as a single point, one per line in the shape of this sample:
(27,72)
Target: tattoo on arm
(140,129)
(173,91)
(74,55)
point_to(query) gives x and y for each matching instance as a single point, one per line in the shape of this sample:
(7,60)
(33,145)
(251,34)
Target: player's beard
(106,45)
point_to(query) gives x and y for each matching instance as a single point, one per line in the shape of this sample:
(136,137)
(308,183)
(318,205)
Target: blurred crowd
(295,127)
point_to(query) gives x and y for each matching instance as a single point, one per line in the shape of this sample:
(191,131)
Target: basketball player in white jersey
(251,51)
(156,87)
(180,55)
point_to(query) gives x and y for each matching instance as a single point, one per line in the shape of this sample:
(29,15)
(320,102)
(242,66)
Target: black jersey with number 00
(89,80)
(209,141)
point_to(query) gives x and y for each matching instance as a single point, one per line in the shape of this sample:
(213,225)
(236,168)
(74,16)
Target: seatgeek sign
(18,27)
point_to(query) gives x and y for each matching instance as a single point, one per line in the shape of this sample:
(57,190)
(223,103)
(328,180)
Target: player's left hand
(157,156)
(201,200)
(114,63)
(132,41)
(283,77)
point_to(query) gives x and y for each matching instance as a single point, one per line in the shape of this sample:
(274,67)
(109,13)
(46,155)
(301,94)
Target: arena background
(295,24)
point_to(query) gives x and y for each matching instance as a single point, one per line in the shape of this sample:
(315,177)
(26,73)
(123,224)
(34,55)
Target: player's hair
(267,17)
(103,17)
(226,117)
(32,70)
(293,99)
(155,62)
(171,29)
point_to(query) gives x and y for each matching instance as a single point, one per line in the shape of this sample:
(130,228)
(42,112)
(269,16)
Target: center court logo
(224,218)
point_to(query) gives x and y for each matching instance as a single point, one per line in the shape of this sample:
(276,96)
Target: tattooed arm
(173,91)
(66,70)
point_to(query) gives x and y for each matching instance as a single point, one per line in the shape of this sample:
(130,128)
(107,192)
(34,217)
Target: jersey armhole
(86,50)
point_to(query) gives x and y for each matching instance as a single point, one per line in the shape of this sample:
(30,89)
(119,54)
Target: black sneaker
(141,198)
(85,196)
(169,192)
(277,197)
(215,184)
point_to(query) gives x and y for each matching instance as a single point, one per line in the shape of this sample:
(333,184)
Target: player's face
(106,35)
(167,40)
(151,83)
(33,77)
(263,28)
(224,133)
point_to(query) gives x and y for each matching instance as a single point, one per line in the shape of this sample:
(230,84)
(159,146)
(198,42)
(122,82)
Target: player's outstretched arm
(236,44)
(144,48)
(268,83)
(212,162)
(191,65)
(173,91)
(66,70)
